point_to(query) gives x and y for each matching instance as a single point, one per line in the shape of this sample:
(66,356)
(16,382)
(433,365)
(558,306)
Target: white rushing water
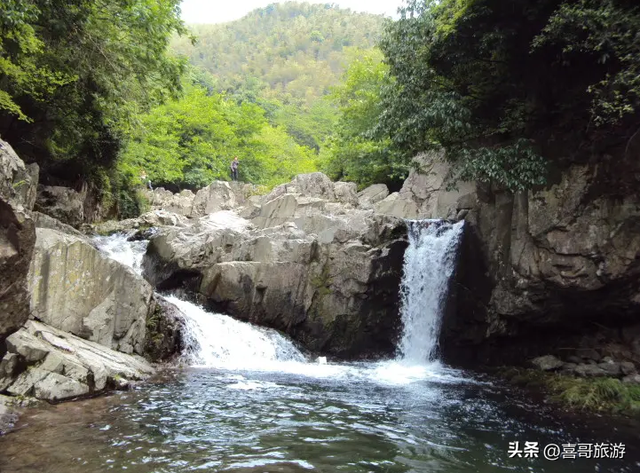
(429,263)
(117,247)
(221,342)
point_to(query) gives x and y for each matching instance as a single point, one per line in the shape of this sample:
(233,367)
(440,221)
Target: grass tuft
(586,394)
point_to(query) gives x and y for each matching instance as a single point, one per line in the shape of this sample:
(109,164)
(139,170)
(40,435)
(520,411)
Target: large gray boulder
(77,289)
(62,203)
(165,329)
(338,299)
(219,195)
(46,221)
(315,184)
(372,195)
(550,261)
(396,206)
(17,239)
(161,199)
(18,182)
(53,365)
(425,194)
(186,251)
(331,281)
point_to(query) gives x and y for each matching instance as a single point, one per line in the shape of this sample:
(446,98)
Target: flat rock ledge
(53,365)
(590,365)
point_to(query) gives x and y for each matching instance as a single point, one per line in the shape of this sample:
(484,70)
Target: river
(248,400)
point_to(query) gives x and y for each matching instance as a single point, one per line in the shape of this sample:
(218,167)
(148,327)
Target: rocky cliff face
(77,289)
(538,267)
(18,184)
(89,314)
(311,259)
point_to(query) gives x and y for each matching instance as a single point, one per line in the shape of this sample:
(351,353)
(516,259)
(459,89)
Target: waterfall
(218,340)
(429,263)
(119,248)
(213,340)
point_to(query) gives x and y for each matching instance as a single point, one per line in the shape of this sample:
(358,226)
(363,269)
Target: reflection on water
(215,420)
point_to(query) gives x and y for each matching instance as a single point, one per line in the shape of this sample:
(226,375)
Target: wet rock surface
(540,266)
(17,239)
(164,331)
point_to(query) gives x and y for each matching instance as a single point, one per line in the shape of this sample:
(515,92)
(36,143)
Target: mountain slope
(293,52)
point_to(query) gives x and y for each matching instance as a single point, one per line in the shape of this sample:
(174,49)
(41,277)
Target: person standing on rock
(146,180)
(234,168)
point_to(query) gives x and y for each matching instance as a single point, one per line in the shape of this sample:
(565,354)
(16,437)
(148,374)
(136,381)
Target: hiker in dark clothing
(234,168)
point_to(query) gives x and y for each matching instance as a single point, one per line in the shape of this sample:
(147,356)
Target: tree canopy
(506,86)
(509,87)
(191,141)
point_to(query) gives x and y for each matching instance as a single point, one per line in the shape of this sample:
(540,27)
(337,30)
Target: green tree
(501,84)
(189,142)
(356,151)
(285,57)
(72,78)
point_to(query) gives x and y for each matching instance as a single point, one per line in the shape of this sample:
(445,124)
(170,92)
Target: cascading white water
(429,263)
(217,340)
(119,248)
(213,340)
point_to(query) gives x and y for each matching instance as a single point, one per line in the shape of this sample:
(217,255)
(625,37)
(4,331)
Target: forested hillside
(286,57)
(511,90)
(95,96)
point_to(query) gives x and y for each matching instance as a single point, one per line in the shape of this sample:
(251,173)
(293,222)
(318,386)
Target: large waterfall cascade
(219,341)
(429,263)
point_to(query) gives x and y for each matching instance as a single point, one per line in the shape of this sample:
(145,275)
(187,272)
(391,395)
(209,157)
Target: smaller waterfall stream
(429,263)
(219,341)
(213,340)
(119,248)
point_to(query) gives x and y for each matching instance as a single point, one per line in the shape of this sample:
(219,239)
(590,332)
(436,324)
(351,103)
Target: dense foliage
(509,87)
(355,151)
(191,141)
(72,78)
(285,57)
(503,83)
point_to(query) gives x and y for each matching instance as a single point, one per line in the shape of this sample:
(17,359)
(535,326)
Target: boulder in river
(54,365)
(309,263)
(76,288)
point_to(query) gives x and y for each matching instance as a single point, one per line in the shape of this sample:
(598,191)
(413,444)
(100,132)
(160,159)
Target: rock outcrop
(62,203)
(540,265)
(162,199)
(308,261)
(219,195)
(17,239)
(53,365)
(164,333)
(153,219)
(372,195)
(77,289)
